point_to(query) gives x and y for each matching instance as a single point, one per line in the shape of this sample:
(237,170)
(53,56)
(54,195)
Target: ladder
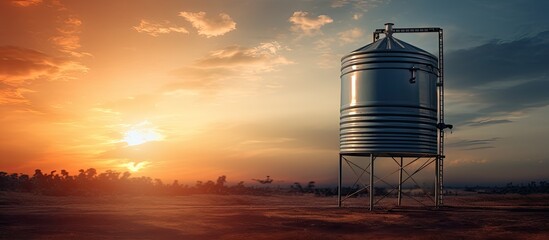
(439,163)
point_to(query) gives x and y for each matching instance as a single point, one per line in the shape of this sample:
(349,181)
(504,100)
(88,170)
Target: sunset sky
(192,90)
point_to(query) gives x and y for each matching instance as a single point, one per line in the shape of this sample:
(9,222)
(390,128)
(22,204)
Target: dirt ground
(475,216)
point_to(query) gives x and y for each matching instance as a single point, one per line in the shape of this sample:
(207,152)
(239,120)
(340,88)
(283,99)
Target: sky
(192,90)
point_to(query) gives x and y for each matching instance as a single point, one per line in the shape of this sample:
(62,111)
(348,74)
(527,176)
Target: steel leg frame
(371,186)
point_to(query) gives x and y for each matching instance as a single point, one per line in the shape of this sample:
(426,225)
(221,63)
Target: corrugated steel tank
(389,100)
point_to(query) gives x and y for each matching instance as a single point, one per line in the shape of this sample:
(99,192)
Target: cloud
(500,77)
(23,69)
(232,62)
(10,95)
(25,3)
(262,58)
(135,166)
(20,66)
(210,27)
(68,29)
(498,64)
(362,5)
(339,3)
(473,144)
(156,29)
(350,35)
(68,37)
(308,26)
(357,16)
(455,162)
(193,78)
(488,122)
(62,25)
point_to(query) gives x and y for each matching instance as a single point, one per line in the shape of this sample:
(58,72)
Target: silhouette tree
(221,181)
(220,184)
(64,174)
(90,173)
(209,186)
(4,182)
(125,175)
(311,186)
(297,187)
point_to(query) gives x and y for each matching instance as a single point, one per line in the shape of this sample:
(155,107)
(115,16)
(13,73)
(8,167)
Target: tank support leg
(437,182)
(372,158)
(339,182)
(400,182)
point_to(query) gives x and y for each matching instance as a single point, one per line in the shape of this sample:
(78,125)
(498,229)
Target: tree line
(528,188)
(91,183)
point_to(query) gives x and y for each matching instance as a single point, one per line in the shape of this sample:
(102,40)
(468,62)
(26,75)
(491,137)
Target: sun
(139,136)
(141,133)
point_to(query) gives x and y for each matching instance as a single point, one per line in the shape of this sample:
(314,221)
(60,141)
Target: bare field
(475,216)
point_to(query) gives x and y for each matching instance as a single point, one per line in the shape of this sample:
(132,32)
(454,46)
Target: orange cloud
(309,26)
(68,39)
(210,27)
(12,95)
(19,66)
(61,24)
(25,3)
(155,29)
(231,62)
(261,58)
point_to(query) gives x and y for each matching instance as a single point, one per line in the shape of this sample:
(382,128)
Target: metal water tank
(389,100)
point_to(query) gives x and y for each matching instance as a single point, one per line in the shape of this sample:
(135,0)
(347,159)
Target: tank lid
(390,43)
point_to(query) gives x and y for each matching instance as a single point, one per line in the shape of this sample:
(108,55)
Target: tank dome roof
(392,44)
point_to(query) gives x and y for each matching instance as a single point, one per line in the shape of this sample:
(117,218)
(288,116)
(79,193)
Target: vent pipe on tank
(389,29)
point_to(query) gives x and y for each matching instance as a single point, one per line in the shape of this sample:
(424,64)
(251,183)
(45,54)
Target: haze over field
(198,89)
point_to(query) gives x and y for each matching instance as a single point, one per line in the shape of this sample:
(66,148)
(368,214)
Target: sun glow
(141,133)
(134,167)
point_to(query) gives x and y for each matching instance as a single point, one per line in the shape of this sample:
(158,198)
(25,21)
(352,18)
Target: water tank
(389,100)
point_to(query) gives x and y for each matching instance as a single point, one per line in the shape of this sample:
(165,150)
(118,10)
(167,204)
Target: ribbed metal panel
(388,100)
